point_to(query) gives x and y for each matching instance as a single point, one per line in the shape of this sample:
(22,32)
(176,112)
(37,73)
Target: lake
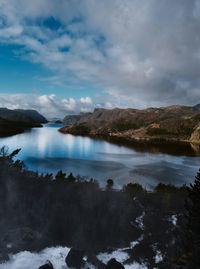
(47,150)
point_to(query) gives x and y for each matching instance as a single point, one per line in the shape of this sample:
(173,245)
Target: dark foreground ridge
(39,211)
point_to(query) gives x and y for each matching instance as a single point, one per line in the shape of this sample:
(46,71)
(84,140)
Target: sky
(69,56)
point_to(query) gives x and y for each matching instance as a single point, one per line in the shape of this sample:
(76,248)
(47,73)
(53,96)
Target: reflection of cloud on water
(166,172)
(99,159)
(148,175)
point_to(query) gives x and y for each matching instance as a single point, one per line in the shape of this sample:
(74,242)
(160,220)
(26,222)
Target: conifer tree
(193,220)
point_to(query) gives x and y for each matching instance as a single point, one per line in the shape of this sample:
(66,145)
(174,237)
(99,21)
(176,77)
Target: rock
(92,259)
(75,258)
(196,134)
(48,265)
(113,264)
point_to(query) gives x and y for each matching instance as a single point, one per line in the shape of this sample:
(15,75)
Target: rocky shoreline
(129,138)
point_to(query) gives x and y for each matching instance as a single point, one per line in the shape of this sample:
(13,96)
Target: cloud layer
(48,105)
(146,53)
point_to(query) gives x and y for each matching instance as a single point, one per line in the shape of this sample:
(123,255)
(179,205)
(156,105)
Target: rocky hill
(16,121)
(22,115)
(72,119)
(158,124)
(33,114)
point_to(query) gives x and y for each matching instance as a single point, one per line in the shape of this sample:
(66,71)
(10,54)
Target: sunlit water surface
(47,150)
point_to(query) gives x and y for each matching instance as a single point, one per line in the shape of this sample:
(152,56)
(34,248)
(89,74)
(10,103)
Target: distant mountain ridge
(33,114)
(102,114)
(174,122)
(16,121)
(22,115)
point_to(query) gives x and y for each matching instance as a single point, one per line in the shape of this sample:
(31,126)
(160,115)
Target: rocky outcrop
(113,264)
(195,137)
(74,258)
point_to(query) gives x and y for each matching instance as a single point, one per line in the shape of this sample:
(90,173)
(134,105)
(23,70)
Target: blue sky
(19,75)
(70,56)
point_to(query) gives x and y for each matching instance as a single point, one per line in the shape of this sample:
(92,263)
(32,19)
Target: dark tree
(60,175)
(71,178)
(110,184)
(193,221)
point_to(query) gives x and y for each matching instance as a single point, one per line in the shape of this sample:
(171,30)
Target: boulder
(113,264)
(48,265)
(75,258)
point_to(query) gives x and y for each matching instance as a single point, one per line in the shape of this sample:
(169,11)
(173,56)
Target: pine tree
(193,220)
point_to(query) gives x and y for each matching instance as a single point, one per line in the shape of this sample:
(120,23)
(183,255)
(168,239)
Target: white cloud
(48,105)
(145,52)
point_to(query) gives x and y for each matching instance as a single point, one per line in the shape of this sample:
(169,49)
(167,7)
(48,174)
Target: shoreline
(164,145)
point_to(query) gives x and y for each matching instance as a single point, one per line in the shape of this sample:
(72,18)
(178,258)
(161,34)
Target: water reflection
(47,150)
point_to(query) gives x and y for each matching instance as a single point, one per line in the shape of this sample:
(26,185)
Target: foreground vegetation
(37,211)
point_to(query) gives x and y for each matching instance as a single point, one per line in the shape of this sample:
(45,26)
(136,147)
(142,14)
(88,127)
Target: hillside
(33,114)
(22,115)
(16,121)
(172,123)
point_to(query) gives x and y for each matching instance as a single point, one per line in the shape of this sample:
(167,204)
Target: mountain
(165,123)
(15,121)
(33,114)
(72,119)
(22,115)
(101,114)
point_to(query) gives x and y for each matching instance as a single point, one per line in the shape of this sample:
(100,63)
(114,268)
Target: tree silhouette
(71,178)
(60,175)
(193,220)
(109,184)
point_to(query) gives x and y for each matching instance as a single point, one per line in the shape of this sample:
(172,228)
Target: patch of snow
(26,259)
(158,258)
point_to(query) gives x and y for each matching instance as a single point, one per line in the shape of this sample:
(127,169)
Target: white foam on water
(139,221)
(119,255)
(173,219)
(158,257)
(33,260)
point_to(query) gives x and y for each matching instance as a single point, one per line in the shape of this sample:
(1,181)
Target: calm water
(47,150)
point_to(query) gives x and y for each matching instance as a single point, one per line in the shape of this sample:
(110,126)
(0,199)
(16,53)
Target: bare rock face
(196,134)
